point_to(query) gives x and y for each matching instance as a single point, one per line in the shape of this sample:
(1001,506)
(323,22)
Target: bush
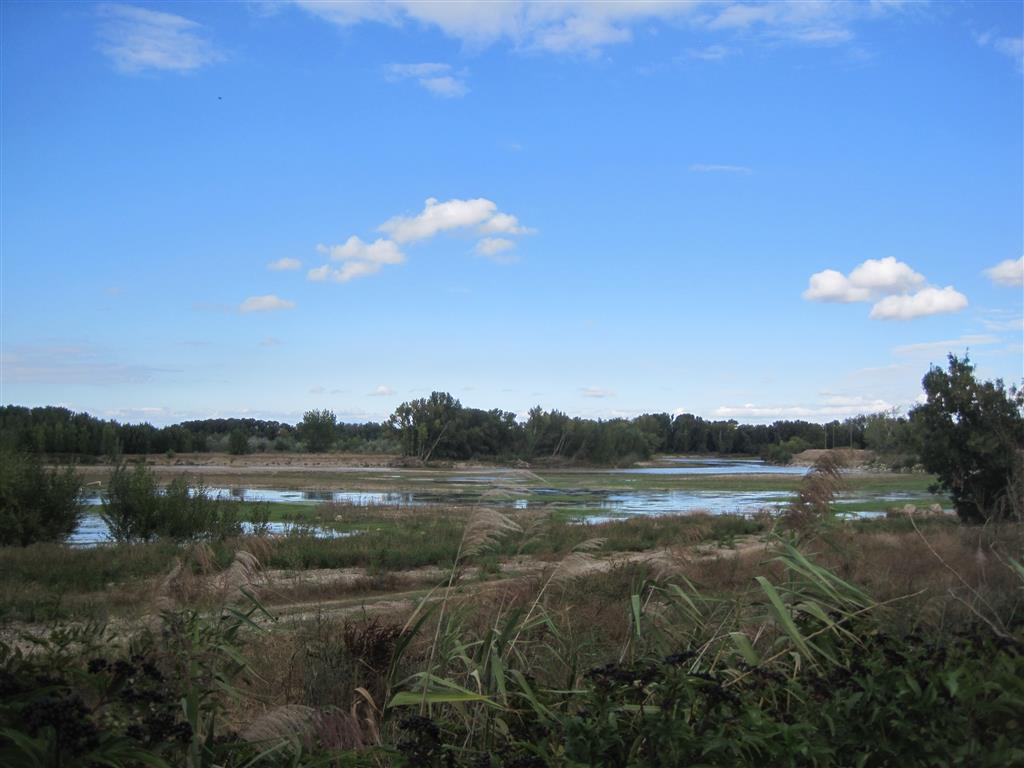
(238,443)
(36,504)
(135,508)
(776,454)
(971,436)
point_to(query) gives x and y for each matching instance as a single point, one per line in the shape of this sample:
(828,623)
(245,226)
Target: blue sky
(740,210)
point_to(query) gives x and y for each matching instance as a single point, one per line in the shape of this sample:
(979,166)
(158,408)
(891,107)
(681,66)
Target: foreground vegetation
(809,642)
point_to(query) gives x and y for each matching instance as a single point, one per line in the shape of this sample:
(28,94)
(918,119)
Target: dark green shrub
(971,436)
(136,509)
(36,503)
(238,443)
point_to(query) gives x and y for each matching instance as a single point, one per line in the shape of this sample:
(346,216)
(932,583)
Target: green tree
(238,442)
(970,434)
(422,424)
(136,508)
(36,503)
(317,429)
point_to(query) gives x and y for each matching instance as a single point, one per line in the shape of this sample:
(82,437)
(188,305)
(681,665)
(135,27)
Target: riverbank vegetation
(828,643)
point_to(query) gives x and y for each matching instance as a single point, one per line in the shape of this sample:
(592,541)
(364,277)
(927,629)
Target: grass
(531,639)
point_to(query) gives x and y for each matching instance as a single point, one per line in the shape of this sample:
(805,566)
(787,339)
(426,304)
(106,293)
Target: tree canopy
(970,434)
(317,429)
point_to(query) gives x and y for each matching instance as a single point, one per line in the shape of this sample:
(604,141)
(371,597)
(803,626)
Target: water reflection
(93,530)
(691,466)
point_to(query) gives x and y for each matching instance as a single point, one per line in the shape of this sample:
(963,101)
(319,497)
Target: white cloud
(284,264)
(833,407)
(587,27)
(885,276)
(720,168)
(505,224)
(380,251)
(136,39)
(361,258)
(868,280)
(437,78)
(496,249)
(382,391)
(1009,272)
(888,283)
(830,285)
(596,392)
(927,301)
(946,345)
(270,341)
(439,217)
(816,23)
(268,303)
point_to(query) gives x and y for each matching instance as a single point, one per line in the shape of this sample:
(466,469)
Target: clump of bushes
(135,508)
(83,699)
(36,503)
(783,453)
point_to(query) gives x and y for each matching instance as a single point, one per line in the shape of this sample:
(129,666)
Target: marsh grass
(788,651)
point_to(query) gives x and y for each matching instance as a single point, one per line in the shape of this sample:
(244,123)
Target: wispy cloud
(1011,47)
(270,341)
(999,320)
(382,391)
(720,168)
(832,407)
(1009,272)
(888,283)
(946,345)
(596,392)
(69,364)
(439,79)
(285,264)
(137,39)
(711,53)
(588,27)
(268,303)
(496,249)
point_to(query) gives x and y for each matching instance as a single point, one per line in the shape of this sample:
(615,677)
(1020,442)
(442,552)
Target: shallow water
(92,530)
(287,496)
(688,466)
(688,502)
(607,505)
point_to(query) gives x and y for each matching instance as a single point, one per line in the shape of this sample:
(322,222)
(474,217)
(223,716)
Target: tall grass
(813,651)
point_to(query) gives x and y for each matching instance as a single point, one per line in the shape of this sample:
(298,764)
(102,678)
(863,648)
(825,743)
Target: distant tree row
(59,431)
(440,427)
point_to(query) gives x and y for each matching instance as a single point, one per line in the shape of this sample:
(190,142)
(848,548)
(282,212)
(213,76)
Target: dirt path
(661,560)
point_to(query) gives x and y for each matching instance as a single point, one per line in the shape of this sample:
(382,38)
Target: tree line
(440,427)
